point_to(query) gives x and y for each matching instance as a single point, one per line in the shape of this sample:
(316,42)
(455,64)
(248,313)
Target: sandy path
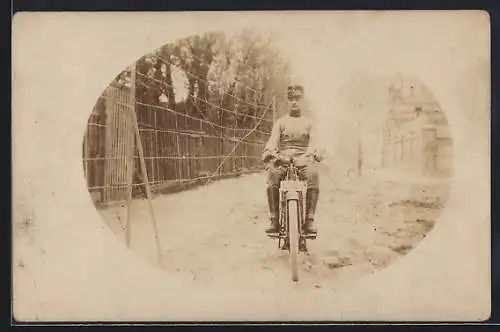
(215,234)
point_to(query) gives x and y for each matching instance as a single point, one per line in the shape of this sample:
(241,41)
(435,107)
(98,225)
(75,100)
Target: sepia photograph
(282,164)
(191,124)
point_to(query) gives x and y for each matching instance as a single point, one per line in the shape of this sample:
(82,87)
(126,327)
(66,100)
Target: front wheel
(293,237)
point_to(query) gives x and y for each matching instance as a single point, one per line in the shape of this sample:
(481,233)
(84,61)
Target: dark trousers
(306,173)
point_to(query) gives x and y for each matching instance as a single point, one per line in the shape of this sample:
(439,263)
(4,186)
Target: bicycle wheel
(293,237)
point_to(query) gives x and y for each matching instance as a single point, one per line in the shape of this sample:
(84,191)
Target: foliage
(240,73)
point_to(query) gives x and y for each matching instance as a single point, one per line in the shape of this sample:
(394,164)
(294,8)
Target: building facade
(416,136)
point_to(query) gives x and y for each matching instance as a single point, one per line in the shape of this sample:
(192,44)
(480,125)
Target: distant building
(416,136)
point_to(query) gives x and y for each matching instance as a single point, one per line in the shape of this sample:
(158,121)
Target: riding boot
(273,202)
(311,203)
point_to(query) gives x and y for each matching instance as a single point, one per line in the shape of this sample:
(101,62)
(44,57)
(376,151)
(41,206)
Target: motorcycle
(292,203)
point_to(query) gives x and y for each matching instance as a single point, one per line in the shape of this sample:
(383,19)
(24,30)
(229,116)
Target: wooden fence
(180,149)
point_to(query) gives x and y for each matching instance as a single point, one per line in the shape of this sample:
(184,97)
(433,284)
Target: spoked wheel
(293,237)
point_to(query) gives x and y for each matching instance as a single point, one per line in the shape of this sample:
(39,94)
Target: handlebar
(286,160)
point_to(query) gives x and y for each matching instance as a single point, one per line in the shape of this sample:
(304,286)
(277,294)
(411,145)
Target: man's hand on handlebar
(269,156)
(280,160)
(274,156)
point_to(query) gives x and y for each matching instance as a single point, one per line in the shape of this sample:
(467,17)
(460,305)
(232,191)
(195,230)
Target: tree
(194,55)
(165,54)
(225,75)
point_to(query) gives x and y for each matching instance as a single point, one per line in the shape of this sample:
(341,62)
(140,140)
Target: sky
(348,105)
(346,75)
(179,81)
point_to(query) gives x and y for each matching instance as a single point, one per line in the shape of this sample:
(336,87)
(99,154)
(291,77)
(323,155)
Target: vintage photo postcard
(251,166)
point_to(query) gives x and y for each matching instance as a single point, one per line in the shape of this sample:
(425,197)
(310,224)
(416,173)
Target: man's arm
(272,144)
(314,145)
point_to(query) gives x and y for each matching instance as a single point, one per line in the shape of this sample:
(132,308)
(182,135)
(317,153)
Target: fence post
(188,154)
(148,187)
(154,148)
(130,155)
(145,171)
(220,150)
(109,109)
(179,173)
(234,133)
(201,150)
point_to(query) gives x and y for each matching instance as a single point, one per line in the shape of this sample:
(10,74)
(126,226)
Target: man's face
(295,102)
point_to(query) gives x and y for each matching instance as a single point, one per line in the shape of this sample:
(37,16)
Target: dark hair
(293,88)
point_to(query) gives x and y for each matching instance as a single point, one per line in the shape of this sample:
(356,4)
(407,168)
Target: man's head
(295,99)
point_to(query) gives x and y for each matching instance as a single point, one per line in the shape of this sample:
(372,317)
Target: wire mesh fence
(208,136)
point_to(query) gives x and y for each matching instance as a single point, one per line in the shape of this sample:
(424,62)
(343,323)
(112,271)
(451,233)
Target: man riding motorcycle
(291,137)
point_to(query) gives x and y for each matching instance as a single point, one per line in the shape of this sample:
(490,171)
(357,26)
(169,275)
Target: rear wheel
(293,237)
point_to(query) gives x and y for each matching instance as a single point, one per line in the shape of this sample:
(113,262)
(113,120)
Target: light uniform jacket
(291,137)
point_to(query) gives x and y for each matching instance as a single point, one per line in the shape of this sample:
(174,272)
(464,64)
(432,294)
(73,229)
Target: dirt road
(215,234)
